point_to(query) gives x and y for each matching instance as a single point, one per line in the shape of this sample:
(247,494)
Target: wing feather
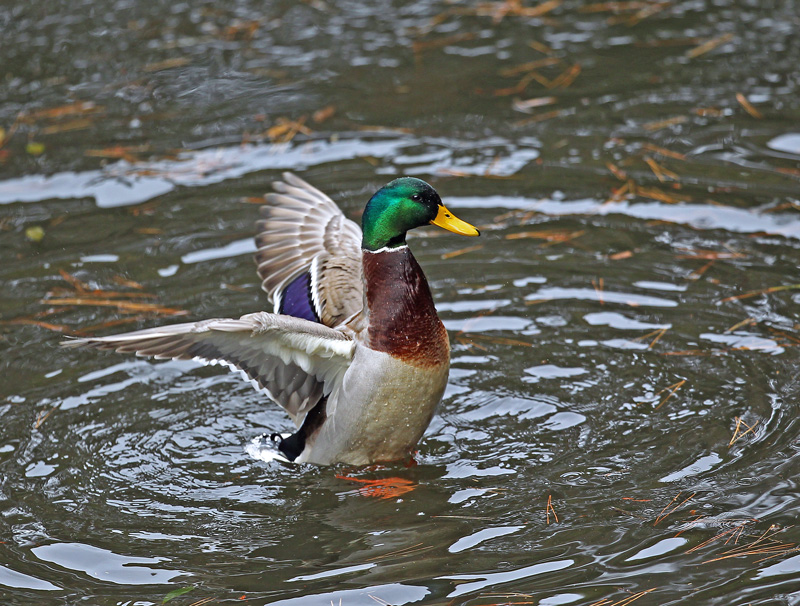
(302,230)
(295,361)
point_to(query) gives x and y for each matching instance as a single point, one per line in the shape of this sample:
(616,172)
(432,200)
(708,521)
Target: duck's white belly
(380,411)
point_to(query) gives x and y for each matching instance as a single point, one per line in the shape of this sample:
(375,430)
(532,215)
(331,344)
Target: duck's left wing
(295,361)
(309,254)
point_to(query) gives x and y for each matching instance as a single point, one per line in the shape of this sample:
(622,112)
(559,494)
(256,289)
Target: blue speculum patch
(296,299)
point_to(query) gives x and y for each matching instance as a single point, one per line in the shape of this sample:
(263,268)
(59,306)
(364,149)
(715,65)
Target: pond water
(621,423)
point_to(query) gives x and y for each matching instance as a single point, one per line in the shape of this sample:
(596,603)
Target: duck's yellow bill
(447,220)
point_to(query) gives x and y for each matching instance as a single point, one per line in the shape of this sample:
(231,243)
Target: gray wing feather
(302,230)
(295,361)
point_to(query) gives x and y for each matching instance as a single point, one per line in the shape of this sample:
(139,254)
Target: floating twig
(621,193)
(665,514)
(710,254)
(623,254)
(662,173)
(456,253)
(738,325)
(598,288)
(118,152)
(748,107)
(763,291)
(402,552)
(525,105)
(542,48)
(504,341)
(80,108)
(623,602)
(71,125)
(698,273)
(471,343)
(663,151)
(323,114)
(658,333)
(773,548)
(737,434)
(550,509)
(376,598)
(657,194)
(42,417)
(541,117)
(285,129)
(565,78)
(672,389)
(617,172)
(552,236)
(785,335)
(708,46)
(659,124)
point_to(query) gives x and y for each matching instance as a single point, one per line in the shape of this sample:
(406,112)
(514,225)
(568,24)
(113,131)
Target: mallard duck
(354,350)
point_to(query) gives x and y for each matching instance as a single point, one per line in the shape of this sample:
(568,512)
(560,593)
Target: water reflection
(499,578)
(105,565)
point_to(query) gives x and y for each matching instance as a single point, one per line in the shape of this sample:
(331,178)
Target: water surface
(621,420)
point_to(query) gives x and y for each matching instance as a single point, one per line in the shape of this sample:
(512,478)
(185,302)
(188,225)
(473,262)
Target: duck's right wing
(309,254)
(295,361)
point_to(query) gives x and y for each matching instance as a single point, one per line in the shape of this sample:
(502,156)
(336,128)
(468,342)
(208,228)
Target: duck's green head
(404,204)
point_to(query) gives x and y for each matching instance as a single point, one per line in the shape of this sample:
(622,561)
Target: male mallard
(354,350)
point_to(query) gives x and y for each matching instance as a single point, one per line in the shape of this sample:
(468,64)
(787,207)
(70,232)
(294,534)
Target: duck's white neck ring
(387,249)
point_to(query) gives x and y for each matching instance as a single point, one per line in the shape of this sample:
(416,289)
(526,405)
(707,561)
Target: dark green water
(122,480)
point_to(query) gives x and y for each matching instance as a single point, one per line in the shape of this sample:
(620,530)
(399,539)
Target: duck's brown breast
(402,318)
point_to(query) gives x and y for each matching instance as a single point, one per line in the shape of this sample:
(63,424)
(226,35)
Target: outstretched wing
(295,361)
(309,254)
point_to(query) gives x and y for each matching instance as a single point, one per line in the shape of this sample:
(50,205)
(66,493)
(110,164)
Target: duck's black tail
(293,446)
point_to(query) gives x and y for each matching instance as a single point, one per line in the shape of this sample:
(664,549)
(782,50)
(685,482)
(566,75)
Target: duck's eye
(415,197)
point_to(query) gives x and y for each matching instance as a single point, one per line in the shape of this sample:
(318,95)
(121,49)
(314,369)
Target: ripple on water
(620,321)
(788,143)
(18,580)
(591,294)
(106,565)
(476,582)
(698,216)
(551,371)
(391,593)
(663,546)
(479,537)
